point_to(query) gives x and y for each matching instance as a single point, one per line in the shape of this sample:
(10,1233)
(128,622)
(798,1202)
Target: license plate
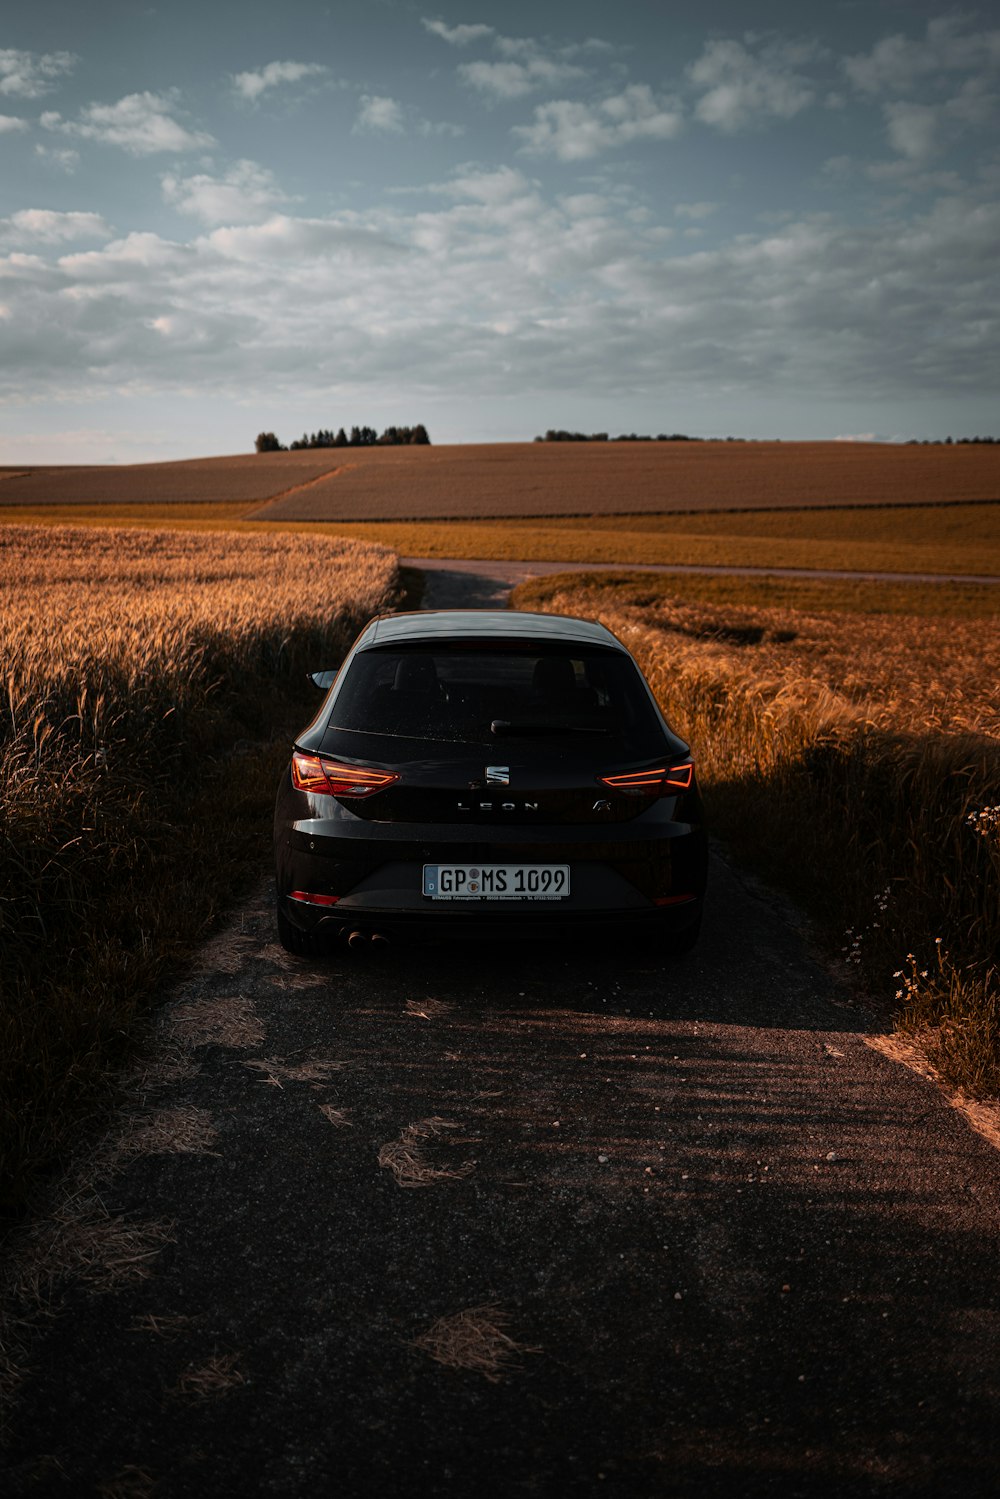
(496,881)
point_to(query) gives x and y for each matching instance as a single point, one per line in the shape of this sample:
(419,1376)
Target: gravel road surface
(515,1221)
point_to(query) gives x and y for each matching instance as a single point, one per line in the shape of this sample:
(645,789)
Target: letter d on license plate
(496,881)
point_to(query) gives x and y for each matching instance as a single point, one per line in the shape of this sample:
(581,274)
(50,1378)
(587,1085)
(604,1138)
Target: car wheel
(678,944)
(294,940)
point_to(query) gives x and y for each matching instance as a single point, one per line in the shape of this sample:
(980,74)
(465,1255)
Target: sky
(758,221)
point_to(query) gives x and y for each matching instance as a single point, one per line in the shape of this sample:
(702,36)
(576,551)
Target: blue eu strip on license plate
(496,881)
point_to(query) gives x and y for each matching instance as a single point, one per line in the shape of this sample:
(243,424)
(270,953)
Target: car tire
(293,939)
(679,944)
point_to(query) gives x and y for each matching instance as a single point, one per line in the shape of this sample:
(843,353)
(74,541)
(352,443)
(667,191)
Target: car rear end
(478,781)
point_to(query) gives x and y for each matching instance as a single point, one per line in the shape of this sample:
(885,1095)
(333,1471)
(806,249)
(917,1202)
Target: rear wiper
(502,726)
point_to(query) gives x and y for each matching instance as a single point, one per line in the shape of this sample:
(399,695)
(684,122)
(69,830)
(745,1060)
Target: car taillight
(660,781)
(329,778)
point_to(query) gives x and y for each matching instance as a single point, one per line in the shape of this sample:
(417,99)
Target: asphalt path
(689,1230)
(478,584)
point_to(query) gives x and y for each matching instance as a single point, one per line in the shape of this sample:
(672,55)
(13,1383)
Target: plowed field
(532,479)
(527,479)
(245,476)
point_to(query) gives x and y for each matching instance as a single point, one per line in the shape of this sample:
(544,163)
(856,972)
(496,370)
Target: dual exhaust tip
(361,941)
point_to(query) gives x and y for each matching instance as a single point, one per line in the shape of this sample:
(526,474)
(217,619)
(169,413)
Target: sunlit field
(959,539)
(856,758)
(150,681)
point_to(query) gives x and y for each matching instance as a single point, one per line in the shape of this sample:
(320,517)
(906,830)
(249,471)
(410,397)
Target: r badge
(498,775)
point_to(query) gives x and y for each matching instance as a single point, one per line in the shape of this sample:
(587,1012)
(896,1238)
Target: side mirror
(323,679)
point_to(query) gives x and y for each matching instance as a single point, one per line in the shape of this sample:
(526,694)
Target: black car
(487,773)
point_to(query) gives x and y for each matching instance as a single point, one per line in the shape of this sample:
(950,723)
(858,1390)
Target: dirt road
(517,1222)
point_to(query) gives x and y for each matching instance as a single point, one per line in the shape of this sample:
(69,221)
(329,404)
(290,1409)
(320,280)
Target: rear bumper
(375,873)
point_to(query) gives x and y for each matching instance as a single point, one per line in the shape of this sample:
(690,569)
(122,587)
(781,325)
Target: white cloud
(695,211)
(913,129)
(50,227)
(10,123)
(250,86)
(141,124)
(896,64)
(64,159)
(30,74)
(574,131)
(458,36)
(380,114)
(245,194)
(743,88)
(501,292)
(513,79)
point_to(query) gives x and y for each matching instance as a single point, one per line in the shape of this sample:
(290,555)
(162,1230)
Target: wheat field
(150,682)
(856,758)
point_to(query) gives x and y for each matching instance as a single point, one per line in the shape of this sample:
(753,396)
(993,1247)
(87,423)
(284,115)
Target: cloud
(50,227)
(250,86)
(64,159)
(245,194)
(913,129)
(380,114)
(30,74)
(695,211)
(499,291)
(512,79)
(897,64)
(141,124)
(742,88)
(573,131)
(458,36)
(11,123)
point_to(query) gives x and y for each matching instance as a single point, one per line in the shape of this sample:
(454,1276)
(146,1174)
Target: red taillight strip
(310,898)
(679,777)
(329,778)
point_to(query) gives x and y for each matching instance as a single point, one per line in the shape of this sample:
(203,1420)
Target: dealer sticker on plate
(496,881)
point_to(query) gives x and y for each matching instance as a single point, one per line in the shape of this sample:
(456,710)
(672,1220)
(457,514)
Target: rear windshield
(477,694)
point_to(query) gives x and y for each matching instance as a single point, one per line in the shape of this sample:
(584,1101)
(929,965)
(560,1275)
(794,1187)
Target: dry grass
(162,1325)
(81,1241)
(146,675)
(869,748)
(131,1482)
(476,1339)
(407,1157)
(277,1073)
(429,1009)
(232,1022)
(963,540)
(339,1118)
(220,1375)
(176,1129)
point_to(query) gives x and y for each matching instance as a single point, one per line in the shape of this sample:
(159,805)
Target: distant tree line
(553,435)
(557,435)
(947,442)
(360,437)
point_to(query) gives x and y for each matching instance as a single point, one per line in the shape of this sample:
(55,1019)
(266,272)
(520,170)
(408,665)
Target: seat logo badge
(602,806)
(498,775)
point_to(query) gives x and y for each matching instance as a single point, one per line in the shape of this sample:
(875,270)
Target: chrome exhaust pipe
(357,940)
(380,941)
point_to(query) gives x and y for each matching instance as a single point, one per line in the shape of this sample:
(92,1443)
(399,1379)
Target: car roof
(487,624)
